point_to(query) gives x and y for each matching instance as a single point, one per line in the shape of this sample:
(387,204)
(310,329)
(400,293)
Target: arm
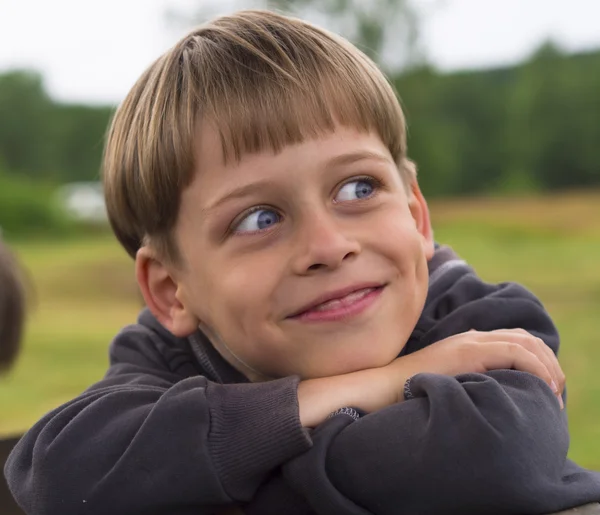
(497,440)
(468,444)
(146,438)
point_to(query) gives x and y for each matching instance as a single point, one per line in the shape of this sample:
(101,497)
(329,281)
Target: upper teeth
(344,301)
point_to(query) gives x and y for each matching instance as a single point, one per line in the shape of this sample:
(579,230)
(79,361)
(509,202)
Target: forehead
(340,146)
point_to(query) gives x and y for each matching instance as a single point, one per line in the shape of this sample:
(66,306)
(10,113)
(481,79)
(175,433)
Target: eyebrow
(341,160)
(241,192)
(353,157)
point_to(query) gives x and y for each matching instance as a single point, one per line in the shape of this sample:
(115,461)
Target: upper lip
(333,295)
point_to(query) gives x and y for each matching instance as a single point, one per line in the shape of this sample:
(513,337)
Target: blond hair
(263,81)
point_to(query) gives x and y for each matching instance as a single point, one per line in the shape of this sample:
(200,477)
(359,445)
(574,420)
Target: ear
(420,212)
(163,294)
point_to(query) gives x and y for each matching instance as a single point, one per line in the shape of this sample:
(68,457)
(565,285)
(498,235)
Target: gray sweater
(172,429)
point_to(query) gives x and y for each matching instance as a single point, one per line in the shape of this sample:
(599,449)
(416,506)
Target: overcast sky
(94,51)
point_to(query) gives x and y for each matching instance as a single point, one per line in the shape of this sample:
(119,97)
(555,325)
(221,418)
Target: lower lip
(342,312)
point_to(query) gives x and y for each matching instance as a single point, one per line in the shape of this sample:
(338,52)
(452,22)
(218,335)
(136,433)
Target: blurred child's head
(12,307)
(259,168)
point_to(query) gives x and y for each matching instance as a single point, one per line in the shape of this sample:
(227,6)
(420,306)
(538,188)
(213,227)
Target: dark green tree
(44,139)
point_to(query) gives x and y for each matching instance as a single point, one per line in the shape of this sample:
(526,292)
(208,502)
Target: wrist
(402,369)
(367,390)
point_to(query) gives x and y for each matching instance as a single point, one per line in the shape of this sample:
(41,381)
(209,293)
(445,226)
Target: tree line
(531,127)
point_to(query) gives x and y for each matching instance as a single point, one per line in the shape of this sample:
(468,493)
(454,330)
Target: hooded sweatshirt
(173,429)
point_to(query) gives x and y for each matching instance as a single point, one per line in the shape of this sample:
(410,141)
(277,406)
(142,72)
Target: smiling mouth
(341,308)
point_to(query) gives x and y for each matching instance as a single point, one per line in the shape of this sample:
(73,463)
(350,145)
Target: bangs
(282,87)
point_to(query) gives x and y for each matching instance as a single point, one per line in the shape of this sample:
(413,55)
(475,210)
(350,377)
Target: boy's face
(269,240)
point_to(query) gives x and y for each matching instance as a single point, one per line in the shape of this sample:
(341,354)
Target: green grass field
(85,292)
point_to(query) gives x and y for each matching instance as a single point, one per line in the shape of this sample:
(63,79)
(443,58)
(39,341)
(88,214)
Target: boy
(257,173)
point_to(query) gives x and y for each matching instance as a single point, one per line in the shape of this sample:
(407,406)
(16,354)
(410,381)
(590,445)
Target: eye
(258,220)
(356,190)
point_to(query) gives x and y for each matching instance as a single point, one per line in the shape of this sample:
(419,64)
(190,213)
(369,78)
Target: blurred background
(503,106)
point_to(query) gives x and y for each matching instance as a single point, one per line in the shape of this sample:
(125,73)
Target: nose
(322,244)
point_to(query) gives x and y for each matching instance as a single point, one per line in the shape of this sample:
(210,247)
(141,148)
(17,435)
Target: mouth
(340,305)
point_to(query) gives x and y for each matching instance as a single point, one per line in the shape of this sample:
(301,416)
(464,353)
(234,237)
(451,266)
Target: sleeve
(146,440)
(473,304)
(498,440)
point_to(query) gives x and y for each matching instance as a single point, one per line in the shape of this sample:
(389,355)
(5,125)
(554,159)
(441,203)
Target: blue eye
(258,220)
(355,190)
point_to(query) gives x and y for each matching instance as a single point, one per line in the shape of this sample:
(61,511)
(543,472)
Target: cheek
(245,292)
(398,237)
(238,323)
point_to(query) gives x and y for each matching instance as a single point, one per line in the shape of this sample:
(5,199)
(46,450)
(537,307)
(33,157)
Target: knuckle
(536,344)
(526,343)
(529,344)
(465,348)
(519,330)
(514,348)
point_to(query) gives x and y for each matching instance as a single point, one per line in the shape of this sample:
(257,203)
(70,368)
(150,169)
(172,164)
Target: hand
(473,351)
(478,351)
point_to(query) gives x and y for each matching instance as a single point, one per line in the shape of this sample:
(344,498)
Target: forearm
(367,390)
(129,448)
(472,440)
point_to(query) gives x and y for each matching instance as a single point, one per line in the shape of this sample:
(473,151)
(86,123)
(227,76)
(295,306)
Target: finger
(558,372)
(556,364)
(552,364)
(538,347)
(501,354)
(534,345)
(561,379)
(498,335)
(516,332)
(519,337)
